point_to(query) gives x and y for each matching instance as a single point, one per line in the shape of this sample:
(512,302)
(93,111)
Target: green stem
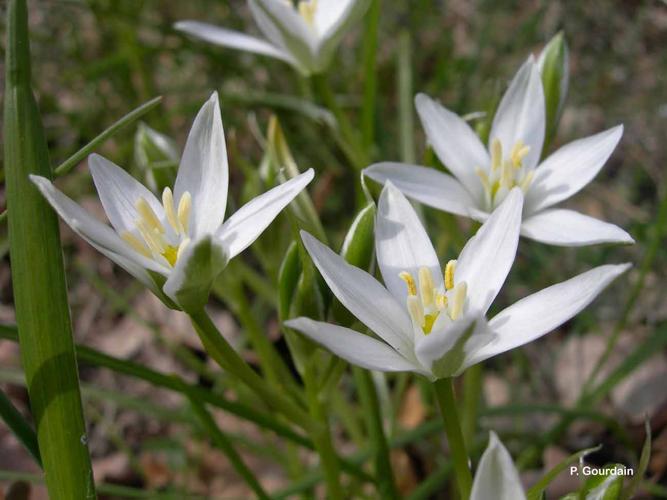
(472,388)
(223,442)
(444,393)
(405,98)
(39,285)
(220,350)
(384,474)
(321,436)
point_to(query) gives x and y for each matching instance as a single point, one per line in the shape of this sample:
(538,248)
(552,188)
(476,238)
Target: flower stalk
(40,291)
(444,393)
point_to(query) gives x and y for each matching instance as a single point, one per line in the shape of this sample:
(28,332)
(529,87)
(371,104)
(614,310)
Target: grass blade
(20,427)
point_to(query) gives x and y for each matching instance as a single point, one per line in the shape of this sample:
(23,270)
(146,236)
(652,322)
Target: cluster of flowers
(429,318)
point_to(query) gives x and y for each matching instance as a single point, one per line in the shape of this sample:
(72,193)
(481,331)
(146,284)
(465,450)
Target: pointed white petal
(496,475)
(445,351)
(572,229)
(425,185)
(232,39)
(245,226)
(197,266)
(455,143)
(570,168)
(363,296)
(282,24)
(488,256)
(332,19)
(99,235)
(203,171)
(401,243)
(542,312)
(358,349)
(521,114)
(119,193)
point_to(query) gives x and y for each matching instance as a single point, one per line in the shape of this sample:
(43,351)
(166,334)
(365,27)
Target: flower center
(153,240)
(505,173)
(425,307)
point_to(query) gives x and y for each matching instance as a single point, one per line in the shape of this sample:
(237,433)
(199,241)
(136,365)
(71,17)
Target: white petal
(496,475)
(488,256)
(99,235)
(455,143)
(521,114)
(446,350)
(425,185)
(203,171)
(569,228)
(119,193)
(329,14)
(401,243)
(197,266)
(282,24)
(542,312)
(570,168)
(363,296)
(232,39)
(352,346)
(245,226)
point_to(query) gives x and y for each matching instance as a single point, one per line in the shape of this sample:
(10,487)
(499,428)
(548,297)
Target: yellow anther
(151,236)
(483,176)
(415,310)
(135,243)
(458,300)
(449,274)
(518,153)
(184,209)
(169,211)
(410,281)
(441,301)
(171,255)
(426,287)
(307,10)
(496,154)
(429,321)
(147,214)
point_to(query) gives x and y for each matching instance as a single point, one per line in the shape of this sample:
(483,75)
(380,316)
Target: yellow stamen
(184,209)
(429,321)
(154,241)
(441,301)
(170,213)
(410,281)
(458,300)
(415,310)
(148,215)
(496,154)
(184,244)
(426,287)
(527,179)
(135,243)
(449,274)
(171,255)
(486,182)
(518,153)
(307,10)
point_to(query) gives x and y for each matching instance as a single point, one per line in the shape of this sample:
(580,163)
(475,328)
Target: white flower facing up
(304,34)
(483,177)
(433,322)
(178,245)
(496,476)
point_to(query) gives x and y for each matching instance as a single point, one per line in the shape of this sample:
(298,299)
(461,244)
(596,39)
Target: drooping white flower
(433,322)
(305,35)
(176,245)
(496,475)
(483,177)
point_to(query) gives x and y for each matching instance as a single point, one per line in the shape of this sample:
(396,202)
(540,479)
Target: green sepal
(554,68)
(157,157)
(196,269)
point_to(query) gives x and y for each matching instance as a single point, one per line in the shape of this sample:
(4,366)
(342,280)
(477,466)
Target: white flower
(177,245)
(482,177)
(496,475)
(432,322)
(304,36)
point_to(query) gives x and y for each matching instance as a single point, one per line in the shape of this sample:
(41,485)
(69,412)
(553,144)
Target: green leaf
(20,427)
(606,486)
(38,280)
(643,465)
(535,493)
